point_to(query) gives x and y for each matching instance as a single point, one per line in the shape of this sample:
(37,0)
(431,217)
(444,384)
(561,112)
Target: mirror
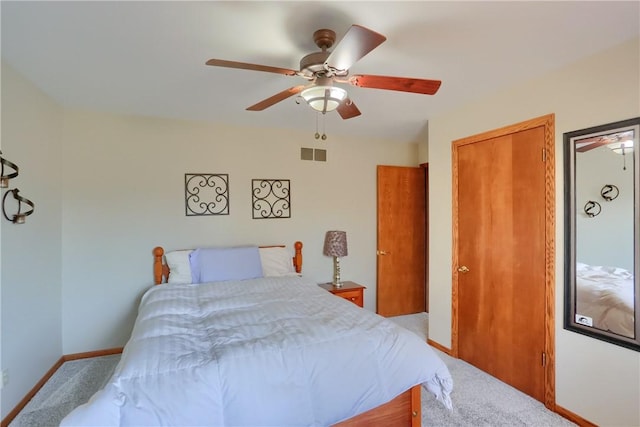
(602,295)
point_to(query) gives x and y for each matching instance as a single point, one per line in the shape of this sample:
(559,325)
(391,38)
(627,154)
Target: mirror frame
(570,231)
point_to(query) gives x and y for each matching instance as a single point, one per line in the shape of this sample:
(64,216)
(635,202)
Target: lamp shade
(335,243)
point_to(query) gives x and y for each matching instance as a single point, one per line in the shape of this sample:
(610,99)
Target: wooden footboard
(403,411)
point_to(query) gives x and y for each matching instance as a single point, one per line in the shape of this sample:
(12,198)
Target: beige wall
(597,380)
(31,263)
(124,194)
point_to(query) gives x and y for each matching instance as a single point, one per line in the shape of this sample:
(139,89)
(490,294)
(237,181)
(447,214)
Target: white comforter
(260,352)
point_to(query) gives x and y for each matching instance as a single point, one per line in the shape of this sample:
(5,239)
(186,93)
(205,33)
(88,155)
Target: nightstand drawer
(350,291)
(353,296)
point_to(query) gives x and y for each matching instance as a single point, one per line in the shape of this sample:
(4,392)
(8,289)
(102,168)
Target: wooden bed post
(403,411)
(158,252)
(297,258)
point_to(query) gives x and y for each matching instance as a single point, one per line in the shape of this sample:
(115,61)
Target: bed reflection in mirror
(601,227)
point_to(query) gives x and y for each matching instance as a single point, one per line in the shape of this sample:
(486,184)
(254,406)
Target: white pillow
(179,267)
(276,261)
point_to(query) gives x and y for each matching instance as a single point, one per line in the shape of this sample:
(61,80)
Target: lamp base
(336,272)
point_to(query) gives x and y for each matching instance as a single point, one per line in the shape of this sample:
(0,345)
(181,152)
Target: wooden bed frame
(403,411)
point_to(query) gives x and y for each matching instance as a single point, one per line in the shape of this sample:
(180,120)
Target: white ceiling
(148,57)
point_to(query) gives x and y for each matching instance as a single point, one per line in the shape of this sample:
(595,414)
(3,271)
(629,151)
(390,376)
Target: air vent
(316,154)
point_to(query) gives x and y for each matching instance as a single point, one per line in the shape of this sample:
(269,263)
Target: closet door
(503,278)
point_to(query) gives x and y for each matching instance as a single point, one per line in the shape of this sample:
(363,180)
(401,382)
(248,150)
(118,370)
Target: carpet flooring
(71,385)
(478,398)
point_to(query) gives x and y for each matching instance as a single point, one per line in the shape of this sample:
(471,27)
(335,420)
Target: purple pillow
(217,264)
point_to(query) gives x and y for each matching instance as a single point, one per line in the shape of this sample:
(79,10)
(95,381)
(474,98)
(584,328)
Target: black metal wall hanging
(592,208)
(20,216)
(206,194)
(271,198)
(4,179)
(609,192)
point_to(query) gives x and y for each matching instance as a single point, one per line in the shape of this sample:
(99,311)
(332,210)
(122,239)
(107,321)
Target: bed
(273,350)
(605,298)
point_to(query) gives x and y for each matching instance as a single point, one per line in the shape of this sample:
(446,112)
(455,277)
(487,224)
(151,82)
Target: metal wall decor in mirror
(602,260)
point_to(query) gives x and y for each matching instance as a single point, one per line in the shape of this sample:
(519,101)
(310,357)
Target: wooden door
(401,240)
(502,278)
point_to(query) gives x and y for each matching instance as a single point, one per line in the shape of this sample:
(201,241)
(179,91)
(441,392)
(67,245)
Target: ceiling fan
(619,142)
(323,69)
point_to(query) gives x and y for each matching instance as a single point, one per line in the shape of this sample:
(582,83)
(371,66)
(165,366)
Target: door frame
(425,166)
(548,154)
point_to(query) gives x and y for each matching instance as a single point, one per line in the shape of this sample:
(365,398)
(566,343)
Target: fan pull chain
(324,135)
(317,134)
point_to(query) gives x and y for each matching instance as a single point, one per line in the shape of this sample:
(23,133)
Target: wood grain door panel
(501,223)
(502,313)
(401,268)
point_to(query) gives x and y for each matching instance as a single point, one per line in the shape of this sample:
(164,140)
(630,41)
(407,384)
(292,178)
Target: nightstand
(349,290)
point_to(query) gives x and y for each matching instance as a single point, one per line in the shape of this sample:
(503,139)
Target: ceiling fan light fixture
(622,147)
(324,98)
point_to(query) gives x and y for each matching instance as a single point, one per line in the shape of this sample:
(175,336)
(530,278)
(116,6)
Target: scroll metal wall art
(206,194)
(271,198)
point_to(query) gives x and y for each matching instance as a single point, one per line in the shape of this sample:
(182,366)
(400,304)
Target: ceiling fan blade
(402,84)
(590,144)
(253,67)
(347,109)
(265,103)
(356,43)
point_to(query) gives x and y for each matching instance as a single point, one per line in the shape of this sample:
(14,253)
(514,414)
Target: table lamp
(335,245)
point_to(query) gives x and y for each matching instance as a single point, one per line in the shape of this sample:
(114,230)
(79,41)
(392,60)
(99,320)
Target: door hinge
(544,359)
(544,154)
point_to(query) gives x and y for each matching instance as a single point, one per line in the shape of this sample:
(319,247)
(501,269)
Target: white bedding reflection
(605,298)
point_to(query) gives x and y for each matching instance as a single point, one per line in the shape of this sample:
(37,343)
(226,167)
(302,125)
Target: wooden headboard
(161,270)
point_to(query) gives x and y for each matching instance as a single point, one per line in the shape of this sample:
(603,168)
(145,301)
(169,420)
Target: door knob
(381,252)
(463,269)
